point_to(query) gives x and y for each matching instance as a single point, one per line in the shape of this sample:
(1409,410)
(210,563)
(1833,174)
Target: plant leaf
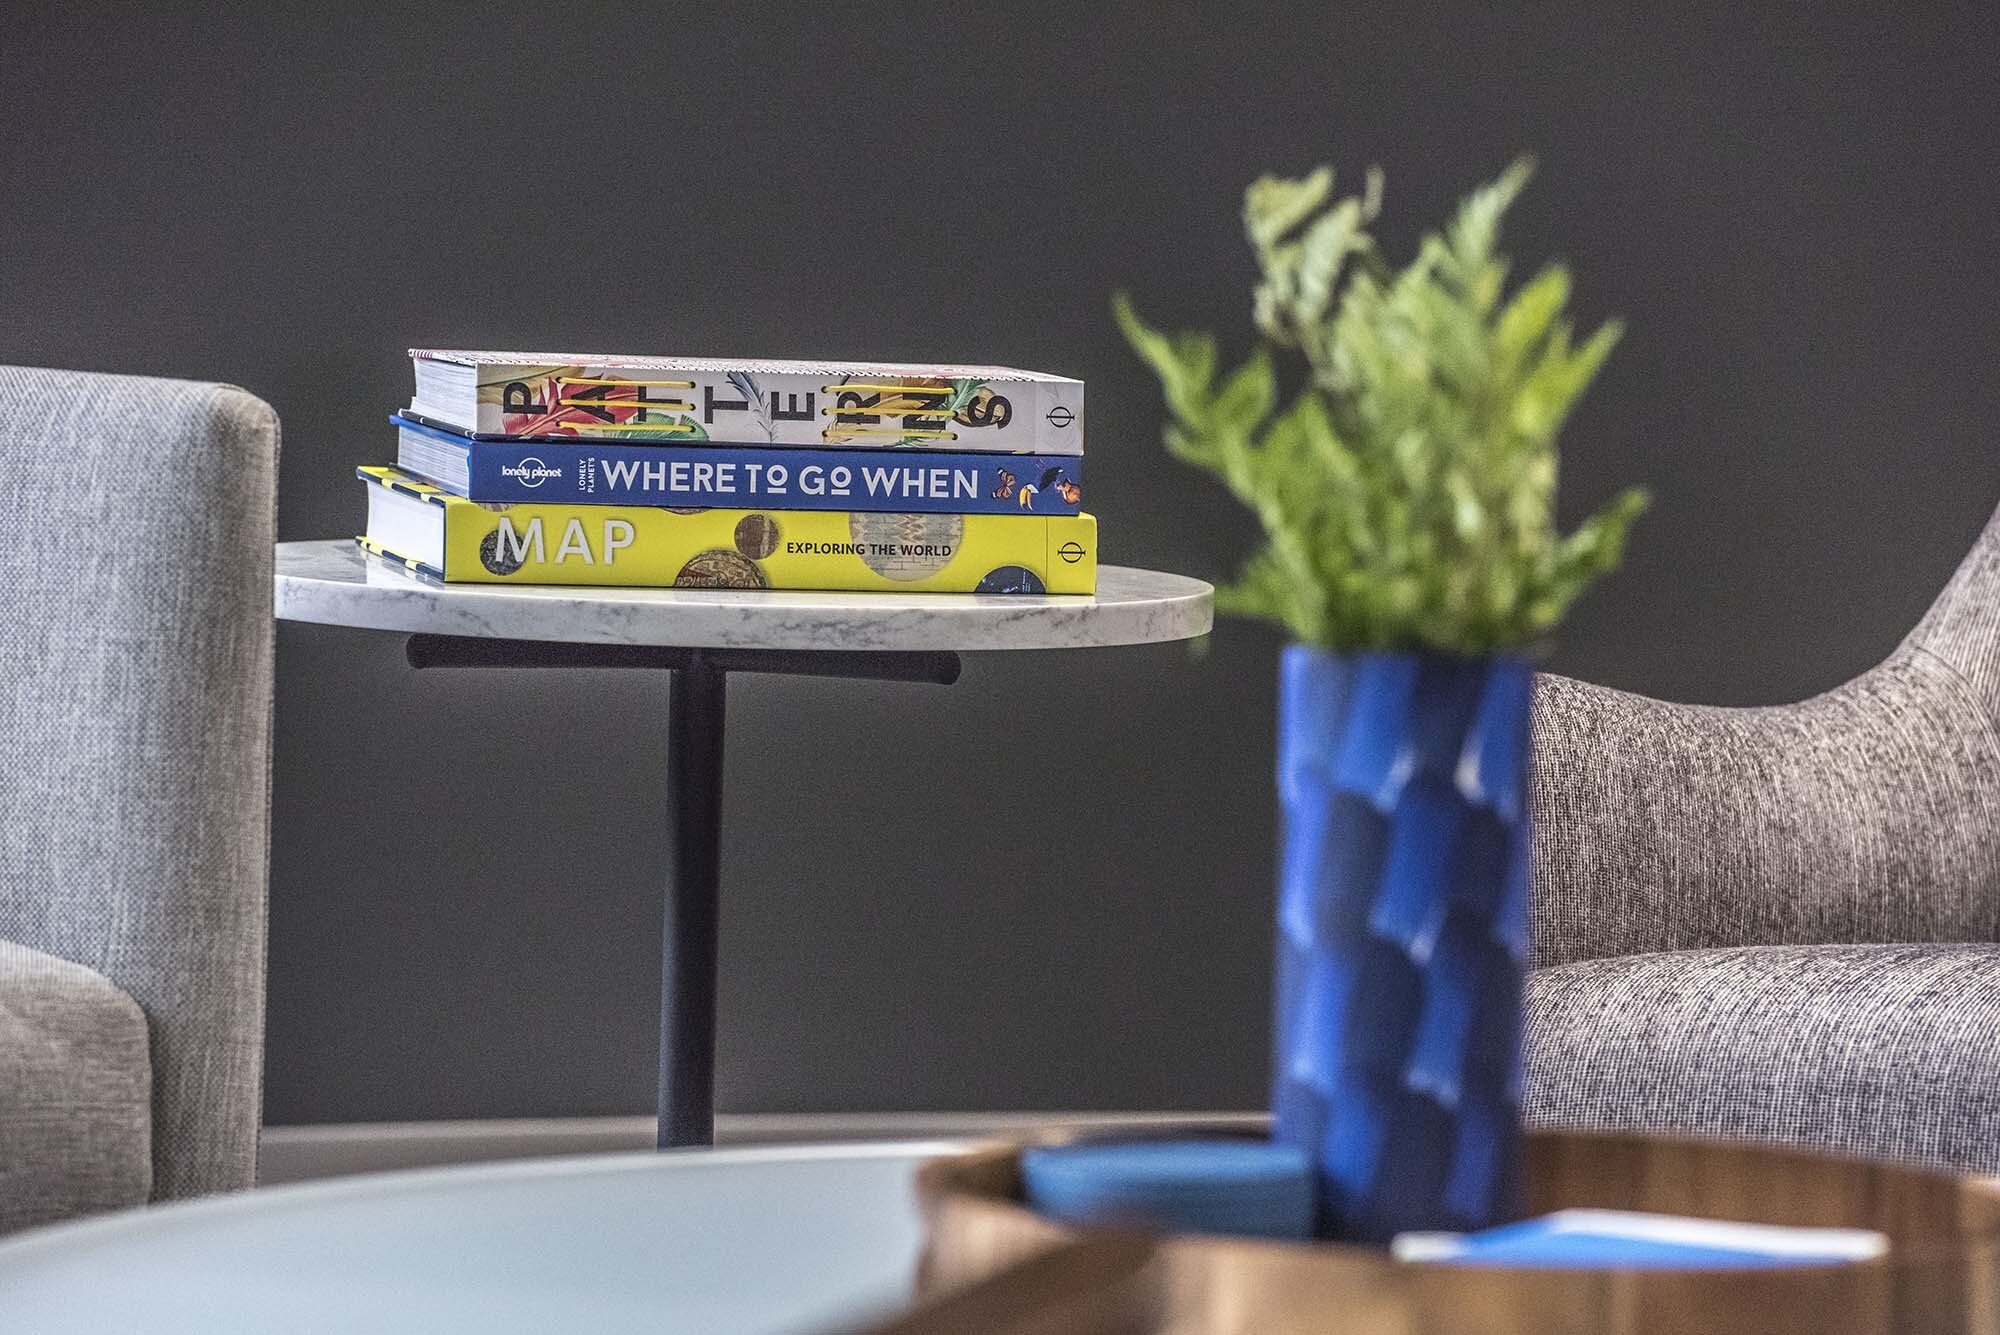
(1407,493)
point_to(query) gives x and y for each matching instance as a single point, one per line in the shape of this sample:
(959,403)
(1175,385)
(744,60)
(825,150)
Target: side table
(700,636)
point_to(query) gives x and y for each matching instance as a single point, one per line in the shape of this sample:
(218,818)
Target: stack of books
(520,468)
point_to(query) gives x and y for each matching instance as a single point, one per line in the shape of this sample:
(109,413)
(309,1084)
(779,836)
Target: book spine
(639,545)
(903,481)
(742,407)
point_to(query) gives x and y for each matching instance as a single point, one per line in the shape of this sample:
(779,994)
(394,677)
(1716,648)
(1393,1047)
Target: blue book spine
(742,477)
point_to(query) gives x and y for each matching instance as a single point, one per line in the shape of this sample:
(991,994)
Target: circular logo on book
(530,472)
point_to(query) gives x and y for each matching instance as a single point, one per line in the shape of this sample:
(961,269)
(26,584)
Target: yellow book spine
(637,545)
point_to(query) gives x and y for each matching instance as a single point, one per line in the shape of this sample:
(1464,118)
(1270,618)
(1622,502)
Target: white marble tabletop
(334,583)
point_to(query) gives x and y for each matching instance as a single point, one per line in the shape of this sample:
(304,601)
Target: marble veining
(333,583)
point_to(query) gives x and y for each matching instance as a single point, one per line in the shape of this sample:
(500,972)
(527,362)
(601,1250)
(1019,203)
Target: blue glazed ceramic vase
(1402,935)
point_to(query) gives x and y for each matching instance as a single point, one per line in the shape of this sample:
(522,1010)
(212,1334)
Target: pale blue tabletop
(791,1239)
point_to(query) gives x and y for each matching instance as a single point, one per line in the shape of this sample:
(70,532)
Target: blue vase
(1402,935)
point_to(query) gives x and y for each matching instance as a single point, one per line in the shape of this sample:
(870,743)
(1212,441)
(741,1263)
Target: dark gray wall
(1048,885)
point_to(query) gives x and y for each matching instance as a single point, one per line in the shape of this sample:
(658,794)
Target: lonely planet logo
(530,472)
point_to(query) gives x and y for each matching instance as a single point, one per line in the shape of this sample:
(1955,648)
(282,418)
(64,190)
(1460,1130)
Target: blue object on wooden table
(1402,935)
(1248,1188)
(1631,1240)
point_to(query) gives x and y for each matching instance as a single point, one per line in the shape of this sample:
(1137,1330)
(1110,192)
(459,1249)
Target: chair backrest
(135,725)
(1869,813)
(1962,628)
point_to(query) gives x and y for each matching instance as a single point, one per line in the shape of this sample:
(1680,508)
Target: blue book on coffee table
(1619,1239)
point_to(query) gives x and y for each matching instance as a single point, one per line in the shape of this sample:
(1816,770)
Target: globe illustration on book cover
(756,536)
(1011,579)
(906,547)
(494,559)
(720,568)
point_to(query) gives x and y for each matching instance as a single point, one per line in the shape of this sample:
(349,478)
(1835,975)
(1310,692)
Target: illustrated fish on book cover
(854,405)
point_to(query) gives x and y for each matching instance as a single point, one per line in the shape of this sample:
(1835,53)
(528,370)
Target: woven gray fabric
(135,702)
(1886,1051)
(1870,813)
(1786,839)
(76,1124)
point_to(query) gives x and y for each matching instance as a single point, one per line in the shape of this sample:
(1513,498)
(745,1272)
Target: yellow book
(447,537)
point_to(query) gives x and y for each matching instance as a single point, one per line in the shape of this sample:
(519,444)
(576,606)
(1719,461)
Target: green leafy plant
(1407,493)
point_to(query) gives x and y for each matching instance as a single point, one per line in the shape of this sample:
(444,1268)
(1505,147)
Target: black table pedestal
(697,705)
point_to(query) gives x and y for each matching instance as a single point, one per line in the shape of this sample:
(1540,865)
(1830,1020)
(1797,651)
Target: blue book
(1250,1188)
(1628,1240)
(747,477)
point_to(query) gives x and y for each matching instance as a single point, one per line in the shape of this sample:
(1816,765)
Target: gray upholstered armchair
(1774,922)
(135,704)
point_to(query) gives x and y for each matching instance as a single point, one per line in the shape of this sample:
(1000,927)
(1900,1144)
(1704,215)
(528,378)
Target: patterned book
(446,537)
(801,404)
(576,472)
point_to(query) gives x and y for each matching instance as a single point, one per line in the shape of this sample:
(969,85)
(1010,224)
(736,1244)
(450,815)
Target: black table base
(696,708)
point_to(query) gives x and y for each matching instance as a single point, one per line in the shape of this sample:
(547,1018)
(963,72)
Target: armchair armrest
(135,726)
